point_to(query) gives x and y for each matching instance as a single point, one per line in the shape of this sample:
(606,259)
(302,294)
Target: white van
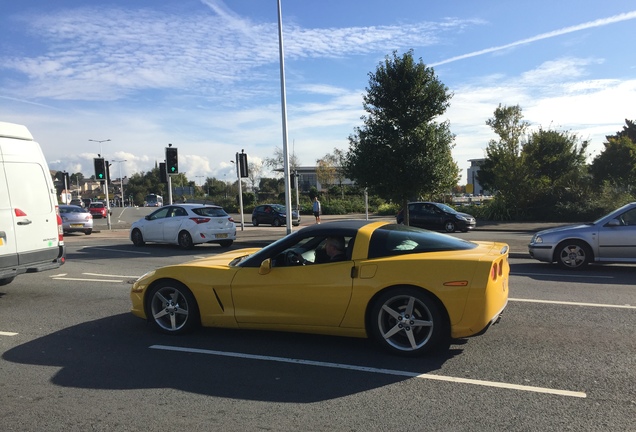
(31,235)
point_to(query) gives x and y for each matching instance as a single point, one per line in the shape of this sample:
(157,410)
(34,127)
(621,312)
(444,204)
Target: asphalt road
(72,358)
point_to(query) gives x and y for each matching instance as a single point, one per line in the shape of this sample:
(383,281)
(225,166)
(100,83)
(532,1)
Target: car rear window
(210,211)
(393,239)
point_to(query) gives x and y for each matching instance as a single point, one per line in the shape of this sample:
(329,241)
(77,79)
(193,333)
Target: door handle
(25,222)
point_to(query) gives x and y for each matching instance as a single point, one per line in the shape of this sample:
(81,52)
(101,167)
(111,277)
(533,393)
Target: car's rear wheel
(226,243)
(172,308)
(276,222)
(573,254)
(88,232)
(450,226)
(407,321)
(137,238)
(254,221)
(185,240)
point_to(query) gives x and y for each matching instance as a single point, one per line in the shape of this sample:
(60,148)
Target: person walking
(316,209)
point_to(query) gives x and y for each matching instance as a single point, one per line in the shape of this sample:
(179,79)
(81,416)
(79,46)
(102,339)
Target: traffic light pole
(107,199)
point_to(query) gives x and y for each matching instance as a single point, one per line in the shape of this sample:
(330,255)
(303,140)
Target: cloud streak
(588,25)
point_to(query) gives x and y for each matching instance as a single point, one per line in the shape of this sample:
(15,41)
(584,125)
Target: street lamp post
(105,180)
(121,180)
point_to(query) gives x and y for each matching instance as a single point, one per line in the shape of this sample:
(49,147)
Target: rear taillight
(19,212)
(200,220)
(494,271)
(60,229)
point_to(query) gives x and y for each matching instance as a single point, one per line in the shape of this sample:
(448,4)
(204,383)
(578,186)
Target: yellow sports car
(410,289)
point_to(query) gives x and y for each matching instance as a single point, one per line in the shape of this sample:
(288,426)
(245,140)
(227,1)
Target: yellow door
(312,295)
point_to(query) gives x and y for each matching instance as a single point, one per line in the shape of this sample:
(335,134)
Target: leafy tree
(628,131)
(617,163)
(401,152)
(276,163)
(503,170)
(556,168)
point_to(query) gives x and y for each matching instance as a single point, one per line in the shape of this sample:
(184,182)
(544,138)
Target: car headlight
(140,284)
(537,239)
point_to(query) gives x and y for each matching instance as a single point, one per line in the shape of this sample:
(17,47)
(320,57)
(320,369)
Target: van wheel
(137,238)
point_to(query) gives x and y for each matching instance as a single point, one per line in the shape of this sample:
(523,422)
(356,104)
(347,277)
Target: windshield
(278,208)
(446,208)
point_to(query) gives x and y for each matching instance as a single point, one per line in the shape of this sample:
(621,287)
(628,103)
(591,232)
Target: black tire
(137,238)
(450,226)
(254,221)
(276,222)
(226,243)
(573,255)
(88,232)
(185,240)
(393,326)
(171,308)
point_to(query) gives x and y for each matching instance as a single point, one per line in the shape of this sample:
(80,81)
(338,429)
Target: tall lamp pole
(105,180)
(121,180)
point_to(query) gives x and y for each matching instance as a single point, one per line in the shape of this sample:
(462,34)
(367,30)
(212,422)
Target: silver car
(76,219)
(610,239)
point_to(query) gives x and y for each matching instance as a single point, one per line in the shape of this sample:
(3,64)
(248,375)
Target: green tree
(616,164)
(556,168)
(401,152)
(503,171)
(628,131)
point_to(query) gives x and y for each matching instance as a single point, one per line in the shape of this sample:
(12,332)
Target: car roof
(193,205)
(69,206)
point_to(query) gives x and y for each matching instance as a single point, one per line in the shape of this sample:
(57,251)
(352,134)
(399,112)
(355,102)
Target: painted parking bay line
(375,370)
(3,333)
(573,303)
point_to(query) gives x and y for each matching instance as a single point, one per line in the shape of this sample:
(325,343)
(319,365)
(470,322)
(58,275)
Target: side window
(160,214)
(178,211)
(629,217)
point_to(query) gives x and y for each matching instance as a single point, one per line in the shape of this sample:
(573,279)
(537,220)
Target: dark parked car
(437,216)
(273,214)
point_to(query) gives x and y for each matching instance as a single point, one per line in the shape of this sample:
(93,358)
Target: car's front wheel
(137,238)
(185,240)
(172,308)
(254,221)
(407,321)
(573,255)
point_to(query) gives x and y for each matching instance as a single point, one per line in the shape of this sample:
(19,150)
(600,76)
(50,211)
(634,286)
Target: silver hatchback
(76,219)
(610,239)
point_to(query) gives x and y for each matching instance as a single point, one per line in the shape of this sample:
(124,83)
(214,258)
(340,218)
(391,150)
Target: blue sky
(204,74)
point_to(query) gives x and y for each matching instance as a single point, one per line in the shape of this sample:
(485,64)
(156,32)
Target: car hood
(565,228)
(466,215)
(223,259)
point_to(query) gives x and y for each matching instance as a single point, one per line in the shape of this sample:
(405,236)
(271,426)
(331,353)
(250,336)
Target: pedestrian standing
(316,209)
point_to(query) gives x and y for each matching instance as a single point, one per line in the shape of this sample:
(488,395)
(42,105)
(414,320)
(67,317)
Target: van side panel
(29,232)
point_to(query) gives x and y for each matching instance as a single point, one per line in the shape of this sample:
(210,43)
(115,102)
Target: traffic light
(172,160)
(100,171)
(163,177)
(242,158)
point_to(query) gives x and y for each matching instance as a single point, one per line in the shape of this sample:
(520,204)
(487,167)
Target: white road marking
(2,333)
(562,275)
(89,280)
(108,275)
(573,303)
(116,250)
(376,370)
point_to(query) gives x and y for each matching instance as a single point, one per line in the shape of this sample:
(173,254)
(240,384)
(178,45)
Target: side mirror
(613,223)
(266,267)
(147,217)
